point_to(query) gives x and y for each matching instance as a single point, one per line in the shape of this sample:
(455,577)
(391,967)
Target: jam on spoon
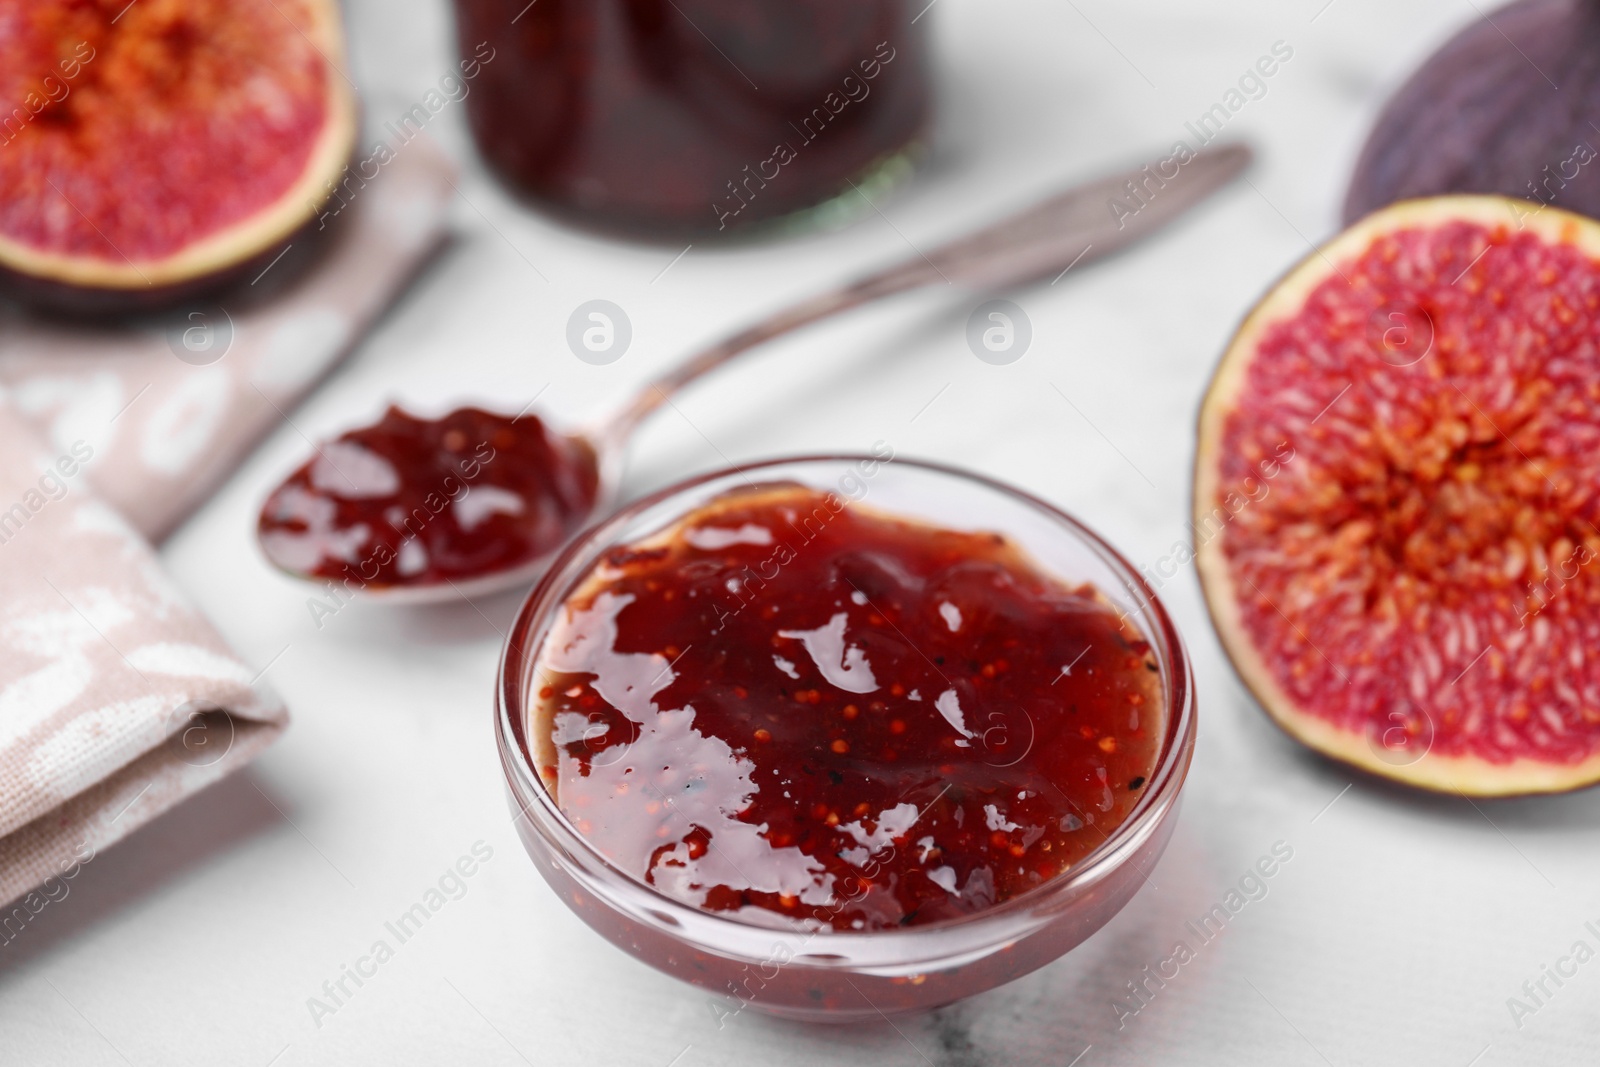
(343,532)
(786,708)
(415,501)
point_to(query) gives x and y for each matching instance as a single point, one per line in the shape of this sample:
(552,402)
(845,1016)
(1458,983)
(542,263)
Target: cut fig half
(165,148)
(1397,497)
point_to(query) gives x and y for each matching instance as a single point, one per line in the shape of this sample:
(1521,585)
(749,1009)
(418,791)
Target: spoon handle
(1083,223)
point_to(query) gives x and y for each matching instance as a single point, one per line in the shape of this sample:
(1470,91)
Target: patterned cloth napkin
(117,698)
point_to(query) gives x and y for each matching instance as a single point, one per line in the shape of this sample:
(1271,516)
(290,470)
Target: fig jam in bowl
(843,737)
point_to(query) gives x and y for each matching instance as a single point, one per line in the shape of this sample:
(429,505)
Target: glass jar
(685,118)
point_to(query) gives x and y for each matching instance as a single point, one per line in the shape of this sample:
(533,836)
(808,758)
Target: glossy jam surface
(410,502)
(792,709)
(681,117)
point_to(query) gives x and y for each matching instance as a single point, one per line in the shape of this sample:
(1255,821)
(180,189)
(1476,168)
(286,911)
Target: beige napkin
(117,698)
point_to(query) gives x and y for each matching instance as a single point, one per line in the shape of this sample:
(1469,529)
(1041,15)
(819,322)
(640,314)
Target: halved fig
(158,149)
(1397,491)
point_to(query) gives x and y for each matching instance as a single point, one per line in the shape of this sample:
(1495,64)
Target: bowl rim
(1160,793)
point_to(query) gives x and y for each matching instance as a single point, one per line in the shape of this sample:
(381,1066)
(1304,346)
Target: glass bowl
(846,975)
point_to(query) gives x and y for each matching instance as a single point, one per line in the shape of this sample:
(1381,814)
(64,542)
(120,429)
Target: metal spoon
(1085,222)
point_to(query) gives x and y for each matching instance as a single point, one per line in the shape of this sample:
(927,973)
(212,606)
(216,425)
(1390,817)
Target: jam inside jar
(669,118)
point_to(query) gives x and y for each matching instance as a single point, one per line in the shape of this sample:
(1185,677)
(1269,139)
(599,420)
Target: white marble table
(1394,935)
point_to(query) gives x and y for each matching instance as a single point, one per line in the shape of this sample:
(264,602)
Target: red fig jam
(409,501)
(786,705)
(687,117)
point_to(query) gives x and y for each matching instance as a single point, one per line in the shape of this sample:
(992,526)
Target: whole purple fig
(1509,105)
